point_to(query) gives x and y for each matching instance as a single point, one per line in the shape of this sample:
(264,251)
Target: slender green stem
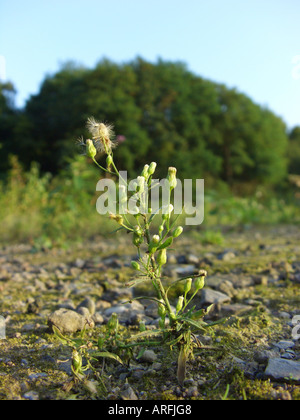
(147,343)
(155,277)
(116,170)
(189,301)
(104,169)
(126,227)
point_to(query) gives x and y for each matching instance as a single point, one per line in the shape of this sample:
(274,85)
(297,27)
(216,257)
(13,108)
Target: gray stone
(84,312)
(28,327)
(148,356)
(210,296)
(151,310)
(250,368)
(157,366)
(89,304)
(68,321)
(98,318)
(102,305)
(79,263)
(66,304)
(226,256)
(118,309)
(214,282)
(288,356)
(129,308)
(192,259)
(35,376)
(187,270)
(235,308)
(285,344)
(31,395)
(296,278)
(283,370)
(227,288)
(128,393)
(65,366)
(284,315)
(261,280)
(192,392)
(264,356)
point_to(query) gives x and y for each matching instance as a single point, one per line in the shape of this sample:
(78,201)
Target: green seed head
(177,232)
(162,257)
(161,229)
(76,361)
(109,160)
(172,177)
(179,304)
(172,316)
(117,217)
(90,149)
(155,239)
(141,183)
(145,172)
(138,231)
(161,310)
(188,285)
(153,244)
(135,265)
(167,212)
(137,240)
(200,281)
(152,168)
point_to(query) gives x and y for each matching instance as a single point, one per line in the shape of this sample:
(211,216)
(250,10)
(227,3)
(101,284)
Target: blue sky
(253,45)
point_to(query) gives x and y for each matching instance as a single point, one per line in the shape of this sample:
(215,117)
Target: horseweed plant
(177,326)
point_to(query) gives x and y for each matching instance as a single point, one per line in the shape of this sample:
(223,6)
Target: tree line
(161,112)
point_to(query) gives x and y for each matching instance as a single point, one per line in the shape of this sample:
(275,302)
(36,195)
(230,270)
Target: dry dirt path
(253,279)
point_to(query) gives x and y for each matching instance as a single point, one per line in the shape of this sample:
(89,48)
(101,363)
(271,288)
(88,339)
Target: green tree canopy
(294,151)
(162,112)
(8,121)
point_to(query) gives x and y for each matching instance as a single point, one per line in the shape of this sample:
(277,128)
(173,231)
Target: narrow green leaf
(144,334)
(59,335)
(166,244)
(141,352)
(108,355)
(209,308)
(196,324)
(137,281)
(116,230)
(198,314)
(181,369)
(220,321)
(175,341)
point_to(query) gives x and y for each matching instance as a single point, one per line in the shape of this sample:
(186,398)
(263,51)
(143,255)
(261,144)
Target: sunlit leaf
(107,354)
(181,369)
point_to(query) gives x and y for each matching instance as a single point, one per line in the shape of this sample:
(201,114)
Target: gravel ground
(253,281)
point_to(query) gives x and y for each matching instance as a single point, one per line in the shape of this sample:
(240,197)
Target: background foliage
(162,112)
